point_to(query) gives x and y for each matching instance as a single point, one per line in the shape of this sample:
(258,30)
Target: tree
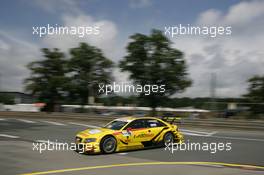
(47,80)
(256,93)
(152,60)
(88,68)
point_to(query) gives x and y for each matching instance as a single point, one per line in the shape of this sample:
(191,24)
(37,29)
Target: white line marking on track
(42,141)
(197,133)
(193,131)
(212,133)
(220,137)
(194,134)
(9,136)
(122,154)
(238,138)
(81,124)
(2,119)
(55,123)
(26,121)
(47,141)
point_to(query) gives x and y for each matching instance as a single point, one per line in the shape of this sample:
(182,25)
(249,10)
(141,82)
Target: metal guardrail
(216,122)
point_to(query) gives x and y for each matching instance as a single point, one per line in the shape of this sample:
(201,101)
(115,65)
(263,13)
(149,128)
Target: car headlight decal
(89,140)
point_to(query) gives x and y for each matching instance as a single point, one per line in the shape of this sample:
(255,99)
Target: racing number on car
(127,134)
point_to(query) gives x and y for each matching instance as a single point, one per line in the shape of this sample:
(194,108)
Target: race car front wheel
(168,138)
(108,144)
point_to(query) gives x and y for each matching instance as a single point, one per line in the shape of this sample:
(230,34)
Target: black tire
(168,138)
(108,145)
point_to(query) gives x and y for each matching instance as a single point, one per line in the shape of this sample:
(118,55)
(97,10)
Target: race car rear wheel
(168,138)
(108,144)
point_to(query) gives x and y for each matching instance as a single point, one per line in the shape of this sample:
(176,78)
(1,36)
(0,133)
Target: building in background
(18,97)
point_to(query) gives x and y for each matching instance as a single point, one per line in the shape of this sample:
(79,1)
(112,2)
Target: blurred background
(204,77)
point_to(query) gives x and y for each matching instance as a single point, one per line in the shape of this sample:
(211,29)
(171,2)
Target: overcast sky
(233,58)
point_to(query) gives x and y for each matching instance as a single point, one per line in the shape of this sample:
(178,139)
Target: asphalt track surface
(18,157)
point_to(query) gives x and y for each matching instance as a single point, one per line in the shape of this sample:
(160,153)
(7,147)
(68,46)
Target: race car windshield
(116,125)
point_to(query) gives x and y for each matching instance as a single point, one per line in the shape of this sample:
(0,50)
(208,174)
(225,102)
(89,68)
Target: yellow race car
(128,133)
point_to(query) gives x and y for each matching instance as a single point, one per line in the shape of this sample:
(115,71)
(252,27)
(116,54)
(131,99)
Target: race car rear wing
(171,119)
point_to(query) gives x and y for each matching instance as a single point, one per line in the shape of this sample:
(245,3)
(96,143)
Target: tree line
(70,78)
(73,77)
